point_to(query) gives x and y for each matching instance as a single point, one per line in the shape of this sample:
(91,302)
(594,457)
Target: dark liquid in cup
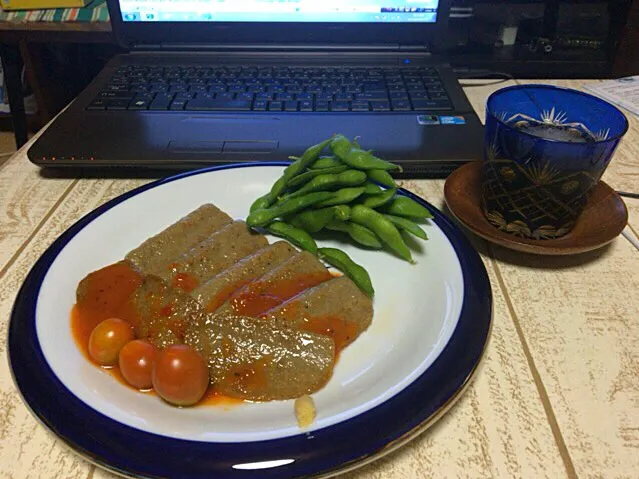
(536,200)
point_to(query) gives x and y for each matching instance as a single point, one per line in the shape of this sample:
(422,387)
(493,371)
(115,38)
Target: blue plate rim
(126,450)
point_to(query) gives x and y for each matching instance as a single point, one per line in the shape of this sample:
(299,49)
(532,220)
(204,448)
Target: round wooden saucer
(601,221)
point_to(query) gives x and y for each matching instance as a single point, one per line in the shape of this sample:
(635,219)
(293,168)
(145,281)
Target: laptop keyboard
(135,88)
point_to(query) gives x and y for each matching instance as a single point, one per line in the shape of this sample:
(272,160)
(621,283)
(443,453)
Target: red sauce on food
(259,297)
(185,281)
(107,292)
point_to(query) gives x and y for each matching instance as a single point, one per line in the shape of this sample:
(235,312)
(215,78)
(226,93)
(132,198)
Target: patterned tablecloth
(96,11)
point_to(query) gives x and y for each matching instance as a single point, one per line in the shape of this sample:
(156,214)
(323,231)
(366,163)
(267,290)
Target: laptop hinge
(280,48)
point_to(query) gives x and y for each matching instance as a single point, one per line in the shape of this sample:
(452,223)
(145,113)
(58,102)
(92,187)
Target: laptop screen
(320,11)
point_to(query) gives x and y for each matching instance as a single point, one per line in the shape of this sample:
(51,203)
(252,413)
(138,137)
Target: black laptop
(216,81)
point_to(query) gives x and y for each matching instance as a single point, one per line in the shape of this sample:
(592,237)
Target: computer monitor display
(317,11)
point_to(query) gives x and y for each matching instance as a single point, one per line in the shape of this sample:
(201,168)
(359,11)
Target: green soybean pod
(358,233)
(342,212)
(298,166)
(350,268)
(313,220)
(310,174)
(340,146)
(408,225)
(382,177)
(261,203)
(326,182)
(379,200)
(383,228)
(326,162)
(264,216)
(372,188)
(342,196)
(365,160)
(297,236)
(404,206)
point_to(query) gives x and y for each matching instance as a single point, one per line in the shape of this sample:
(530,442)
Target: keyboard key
(116,95)
(217,88)
(343,97)
(117,104)
(306,105)
(359,106)
(178,105)
(291,105)
(97,105)
(339,106)
(438,96)
(372,95)
(432,105)
(419,95)
(259,105)
(184,95)
(138,105)
(275,88)
(380,105)
(321,105)
(398,87)
(401,105)
(265,96)
(161,102)
(225,96)
(399,95)
(275,106)
(325,96)
(206,104)
(284,96)
(304,96)
(245,96)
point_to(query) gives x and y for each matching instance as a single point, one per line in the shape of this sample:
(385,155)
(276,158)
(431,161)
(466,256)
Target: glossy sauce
(106,293)
(185,281)
(258,297)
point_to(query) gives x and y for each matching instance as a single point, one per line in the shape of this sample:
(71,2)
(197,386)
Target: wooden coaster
(602,220)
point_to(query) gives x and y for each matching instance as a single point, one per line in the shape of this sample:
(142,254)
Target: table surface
(556,395)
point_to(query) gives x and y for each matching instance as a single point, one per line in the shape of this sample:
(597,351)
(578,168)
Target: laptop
(208,82)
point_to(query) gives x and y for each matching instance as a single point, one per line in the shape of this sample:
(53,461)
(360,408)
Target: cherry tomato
(180,375)
(106,340)
(136,363)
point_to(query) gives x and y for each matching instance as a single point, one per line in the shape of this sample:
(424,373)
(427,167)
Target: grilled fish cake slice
(155,254)
(214,292)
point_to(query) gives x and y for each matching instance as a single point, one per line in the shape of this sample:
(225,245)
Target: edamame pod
(408,225)
(404,206)
(344,263)
(326,162)
(310,174)
(295,168)
(378,200)
(358,233)
(372,188)
(357,158)
(325,182)
(293,205)
(297,236)
(313,220)
(343,196)
(382,177)
(383,228)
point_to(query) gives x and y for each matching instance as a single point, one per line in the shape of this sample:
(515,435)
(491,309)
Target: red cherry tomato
(180,375)
(106,340)
(136,363)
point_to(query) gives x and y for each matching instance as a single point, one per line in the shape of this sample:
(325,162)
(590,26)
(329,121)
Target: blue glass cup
(545,150)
